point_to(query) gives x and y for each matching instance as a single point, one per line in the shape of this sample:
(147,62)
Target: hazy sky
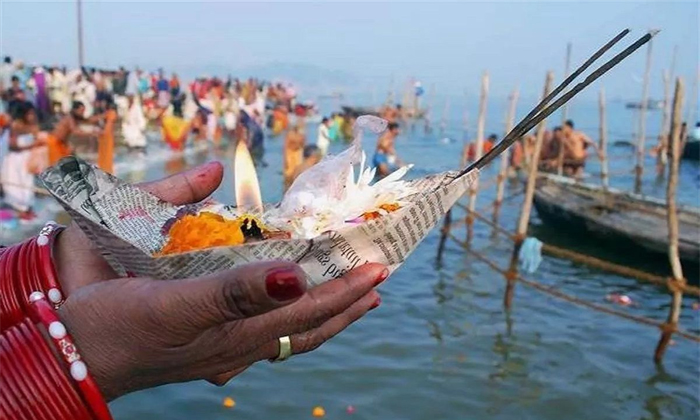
(445,44)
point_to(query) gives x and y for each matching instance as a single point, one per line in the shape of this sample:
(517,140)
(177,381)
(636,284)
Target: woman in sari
(18,180)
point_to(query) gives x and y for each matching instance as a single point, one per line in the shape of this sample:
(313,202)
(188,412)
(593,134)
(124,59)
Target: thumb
(243,292)
(187,187)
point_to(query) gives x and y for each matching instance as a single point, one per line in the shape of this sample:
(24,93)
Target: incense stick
(537,114)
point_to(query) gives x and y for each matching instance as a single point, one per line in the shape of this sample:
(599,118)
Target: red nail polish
(382,276)
(376,303)
(283,284)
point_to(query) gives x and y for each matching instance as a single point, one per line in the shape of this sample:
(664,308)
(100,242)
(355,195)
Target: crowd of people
(48,112)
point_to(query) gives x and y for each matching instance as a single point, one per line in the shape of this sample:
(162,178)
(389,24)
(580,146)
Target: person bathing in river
(67,128)
(385,159)
(18,179)
(469,151)
(312,155)
(293,154)
(575,145)
(324,138)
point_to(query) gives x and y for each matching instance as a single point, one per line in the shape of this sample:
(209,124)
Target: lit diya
(332,219)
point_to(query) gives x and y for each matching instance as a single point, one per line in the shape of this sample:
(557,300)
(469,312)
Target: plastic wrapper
(130,226)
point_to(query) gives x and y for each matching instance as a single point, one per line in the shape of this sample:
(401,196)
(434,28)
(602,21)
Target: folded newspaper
(329,221)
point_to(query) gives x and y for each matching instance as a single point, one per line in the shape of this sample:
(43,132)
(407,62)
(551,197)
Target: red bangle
(30,371)
(24,268)
(49,364)
(42,312)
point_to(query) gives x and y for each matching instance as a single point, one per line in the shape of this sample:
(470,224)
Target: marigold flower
(204,230)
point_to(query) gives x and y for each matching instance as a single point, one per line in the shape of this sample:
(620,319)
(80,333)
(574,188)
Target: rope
(595,262)
(552,291)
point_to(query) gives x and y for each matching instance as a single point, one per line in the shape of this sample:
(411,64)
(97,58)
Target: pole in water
(479,150)
(603,140)
(524,221)
(678,281)
(503,170)
(641,134)
(567,71)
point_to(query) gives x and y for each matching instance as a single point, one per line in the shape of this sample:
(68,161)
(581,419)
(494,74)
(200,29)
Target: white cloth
(134,126)
(19,193)
(58,90)
(6,71)
(86,93)
(132,84)
(323,139)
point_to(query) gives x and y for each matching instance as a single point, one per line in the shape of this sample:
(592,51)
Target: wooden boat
(621,219)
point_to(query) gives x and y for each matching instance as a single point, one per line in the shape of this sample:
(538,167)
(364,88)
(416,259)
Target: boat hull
(616,219)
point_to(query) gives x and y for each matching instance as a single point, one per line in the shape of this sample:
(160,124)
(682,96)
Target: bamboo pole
(662,152)
(503,170)
(603,140)
(567,71)
(641,134)
(480,127)
(524,220)
(677,295)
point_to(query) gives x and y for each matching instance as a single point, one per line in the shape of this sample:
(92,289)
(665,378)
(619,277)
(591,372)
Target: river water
(441,346)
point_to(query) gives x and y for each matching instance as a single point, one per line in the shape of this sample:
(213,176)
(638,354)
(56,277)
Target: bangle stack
(43,313)
(34,386)
(25,268)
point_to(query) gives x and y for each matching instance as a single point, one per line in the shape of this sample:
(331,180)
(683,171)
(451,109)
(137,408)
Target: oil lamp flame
(246,181)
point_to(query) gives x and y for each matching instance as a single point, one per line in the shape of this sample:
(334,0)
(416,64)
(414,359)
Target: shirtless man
(385,159)
(575,145)
(65,130)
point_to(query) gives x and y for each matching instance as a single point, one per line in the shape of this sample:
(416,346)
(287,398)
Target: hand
(138,333)
(78,260)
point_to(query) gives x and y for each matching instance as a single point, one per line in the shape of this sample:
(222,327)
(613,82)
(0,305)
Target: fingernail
(382,276)
(283,284)
(376,303)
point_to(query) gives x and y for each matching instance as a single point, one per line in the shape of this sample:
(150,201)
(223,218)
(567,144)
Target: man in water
(65,130)
(324,138)
(469,152)
(549,156)
(385,159)
(575,145)
(312,155)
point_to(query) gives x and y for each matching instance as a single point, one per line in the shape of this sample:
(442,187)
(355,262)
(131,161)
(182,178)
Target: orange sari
(105,148)
(57,149)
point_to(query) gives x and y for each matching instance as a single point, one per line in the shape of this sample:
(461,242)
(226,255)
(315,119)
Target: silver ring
(285,349)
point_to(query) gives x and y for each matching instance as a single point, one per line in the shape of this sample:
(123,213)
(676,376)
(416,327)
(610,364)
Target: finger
(317,306)
(187,187)
(310,340)
(231,295)
(223,378)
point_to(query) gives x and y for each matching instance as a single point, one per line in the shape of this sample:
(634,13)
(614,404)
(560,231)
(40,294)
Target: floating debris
(623,300)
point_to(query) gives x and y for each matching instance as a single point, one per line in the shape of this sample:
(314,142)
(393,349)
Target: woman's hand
(138,333)
(78,261)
